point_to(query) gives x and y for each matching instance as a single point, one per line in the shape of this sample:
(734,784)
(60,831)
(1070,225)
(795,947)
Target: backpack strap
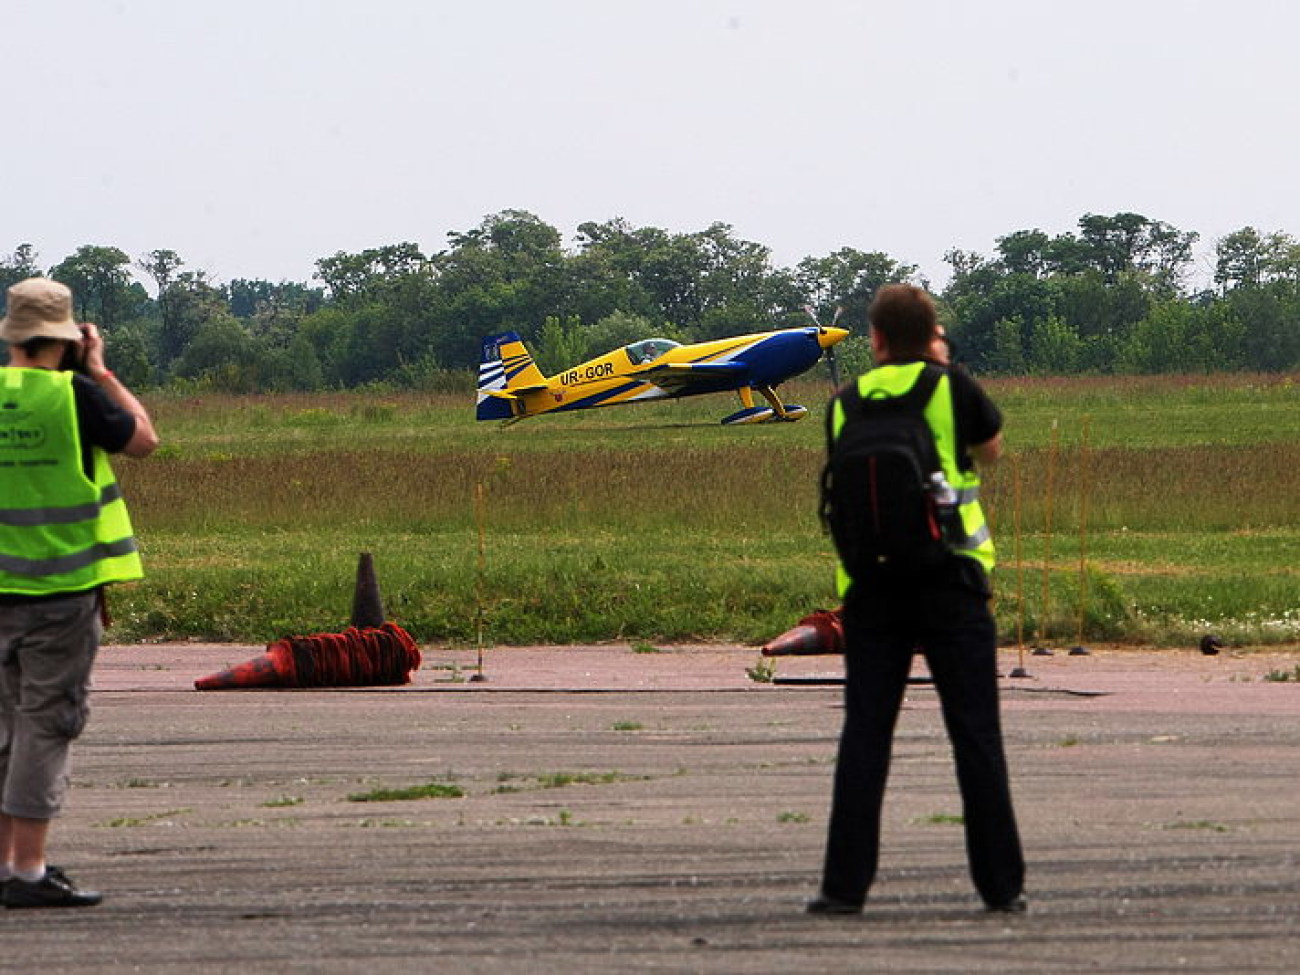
(918,397)
(851,400)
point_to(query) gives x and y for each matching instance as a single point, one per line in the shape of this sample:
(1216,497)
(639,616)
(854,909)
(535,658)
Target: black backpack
(877,502)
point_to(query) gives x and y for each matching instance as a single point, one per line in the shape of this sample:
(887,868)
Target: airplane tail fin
(504,364)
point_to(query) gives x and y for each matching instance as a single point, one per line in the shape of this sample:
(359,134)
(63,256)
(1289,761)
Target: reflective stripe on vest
(60,530)
(896,381)
(26,517)
(71,562)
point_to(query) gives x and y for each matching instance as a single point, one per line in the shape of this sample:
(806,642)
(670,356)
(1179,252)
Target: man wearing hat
(64,535)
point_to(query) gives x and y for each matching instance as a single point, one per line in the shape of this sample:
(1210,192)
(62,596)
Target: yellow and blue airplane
(511,387)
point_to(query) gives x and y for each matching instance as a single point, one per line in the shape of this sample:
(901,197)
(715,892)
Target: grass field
(1148,510)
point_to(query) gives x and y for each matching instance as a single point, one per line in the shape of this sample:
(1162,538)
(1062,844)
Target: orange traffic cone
(258,672)
(799,641)
(821,632)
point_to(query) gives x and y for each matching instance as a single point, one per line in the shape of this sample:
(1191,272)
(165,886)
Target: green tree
(1007,356)
(507,274)
(976,312)
(1129,243)
(602,274)
(562,342)
(371,273)
(848,279)
(127,352)
(1055,348)
(1271,340)
(740,290)
(221,356)
(101,284)
(1098,308)
(395,304)
(163,266)
(19,266)
(1248,259)
(268,303)
(189,301)
(1025,252)
(1178,337)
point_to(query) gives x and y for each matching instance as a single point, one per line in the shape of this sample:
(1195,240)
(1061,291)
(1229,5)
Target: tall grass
(655,523)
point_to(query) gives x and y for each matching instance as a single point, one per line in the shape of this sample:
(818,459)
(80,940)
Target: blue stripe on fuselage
(781,356)
(597,399)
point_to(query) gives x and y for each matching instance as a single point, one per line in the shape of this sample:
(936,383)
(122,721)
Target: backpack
(877,501)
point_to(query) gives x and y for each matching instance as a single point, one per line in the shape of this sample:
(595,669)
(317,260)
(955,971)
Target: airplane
(511,387)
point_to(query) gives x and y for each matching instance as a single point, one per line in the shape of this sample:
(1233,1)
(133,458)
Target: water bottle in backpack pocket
(947,511)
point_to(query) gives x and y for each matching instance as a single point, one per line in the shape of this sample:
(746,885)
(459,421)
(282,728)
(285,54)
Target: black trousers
(952,626)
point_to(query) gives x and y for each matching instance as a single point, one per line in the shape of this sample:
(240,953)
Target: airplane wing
(675,375)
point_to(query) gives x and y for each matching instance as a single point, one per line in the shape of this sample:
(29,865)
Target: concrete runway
(662,812)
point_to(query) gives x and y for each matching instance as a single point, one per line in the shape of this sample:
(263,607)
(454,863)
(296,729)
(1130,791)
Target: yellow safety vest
(896,381)
(60,531)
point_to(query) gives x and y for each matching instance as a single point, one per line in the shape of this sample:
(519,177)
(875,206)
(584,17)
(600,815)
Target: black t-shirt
(102,422)
(978,418)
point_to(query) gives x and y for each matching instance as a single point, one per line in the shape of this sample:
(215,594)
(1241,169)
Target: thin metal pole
(1047,535)
(480,581)
(1020,567)
(1084,486)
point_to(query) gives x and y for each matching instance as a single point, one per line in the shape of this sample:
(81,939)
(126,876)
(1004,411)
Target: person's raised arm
(144,440)
(986,454)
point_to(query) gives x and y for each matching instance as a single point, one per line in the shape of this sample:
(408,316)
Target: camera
(74,353)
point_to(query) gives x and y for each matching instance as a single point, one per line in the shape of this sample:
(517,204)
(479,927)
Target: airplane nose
(830,335)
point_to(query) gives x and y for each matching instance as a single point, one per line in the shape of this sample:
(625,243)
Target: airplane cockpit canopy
(647,350)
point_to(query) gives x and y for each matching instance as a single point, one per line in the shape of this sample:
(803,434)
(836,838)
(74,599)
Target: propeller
(832,360)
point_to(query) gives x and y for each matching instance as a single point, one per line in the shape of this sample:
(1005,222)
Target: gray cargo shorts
(47,649)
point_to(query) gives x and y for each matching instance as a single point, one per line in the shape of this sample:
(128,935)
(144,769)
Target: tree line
(1111,297)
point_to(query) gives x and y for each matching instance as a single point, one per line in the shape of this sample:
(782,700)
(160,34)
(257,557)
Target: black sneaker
(1017,905)
(831,906)
(52,890)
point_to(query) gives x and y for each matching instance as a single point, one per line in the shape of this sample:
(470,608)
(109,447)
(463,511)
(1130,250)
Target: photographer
(940,609)
(64,535)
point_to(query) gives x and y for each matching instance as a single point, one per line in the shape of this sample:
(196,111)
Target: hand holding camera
(86,356)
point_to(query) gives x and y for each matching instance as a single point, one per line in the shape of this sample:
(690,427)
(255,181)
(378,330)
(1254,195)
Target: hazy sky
(255,136)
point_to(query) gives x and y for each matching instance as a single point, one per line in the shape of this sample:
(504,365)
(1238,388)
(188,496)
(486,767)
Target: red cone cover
(381,655)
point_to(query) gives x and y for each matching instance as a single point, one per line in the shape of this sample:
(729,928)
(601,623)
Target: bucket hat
(39,308)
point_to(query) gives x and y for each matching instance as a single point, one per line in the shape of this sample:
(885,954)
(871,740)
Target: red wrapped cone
(821,632)
(354,658)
